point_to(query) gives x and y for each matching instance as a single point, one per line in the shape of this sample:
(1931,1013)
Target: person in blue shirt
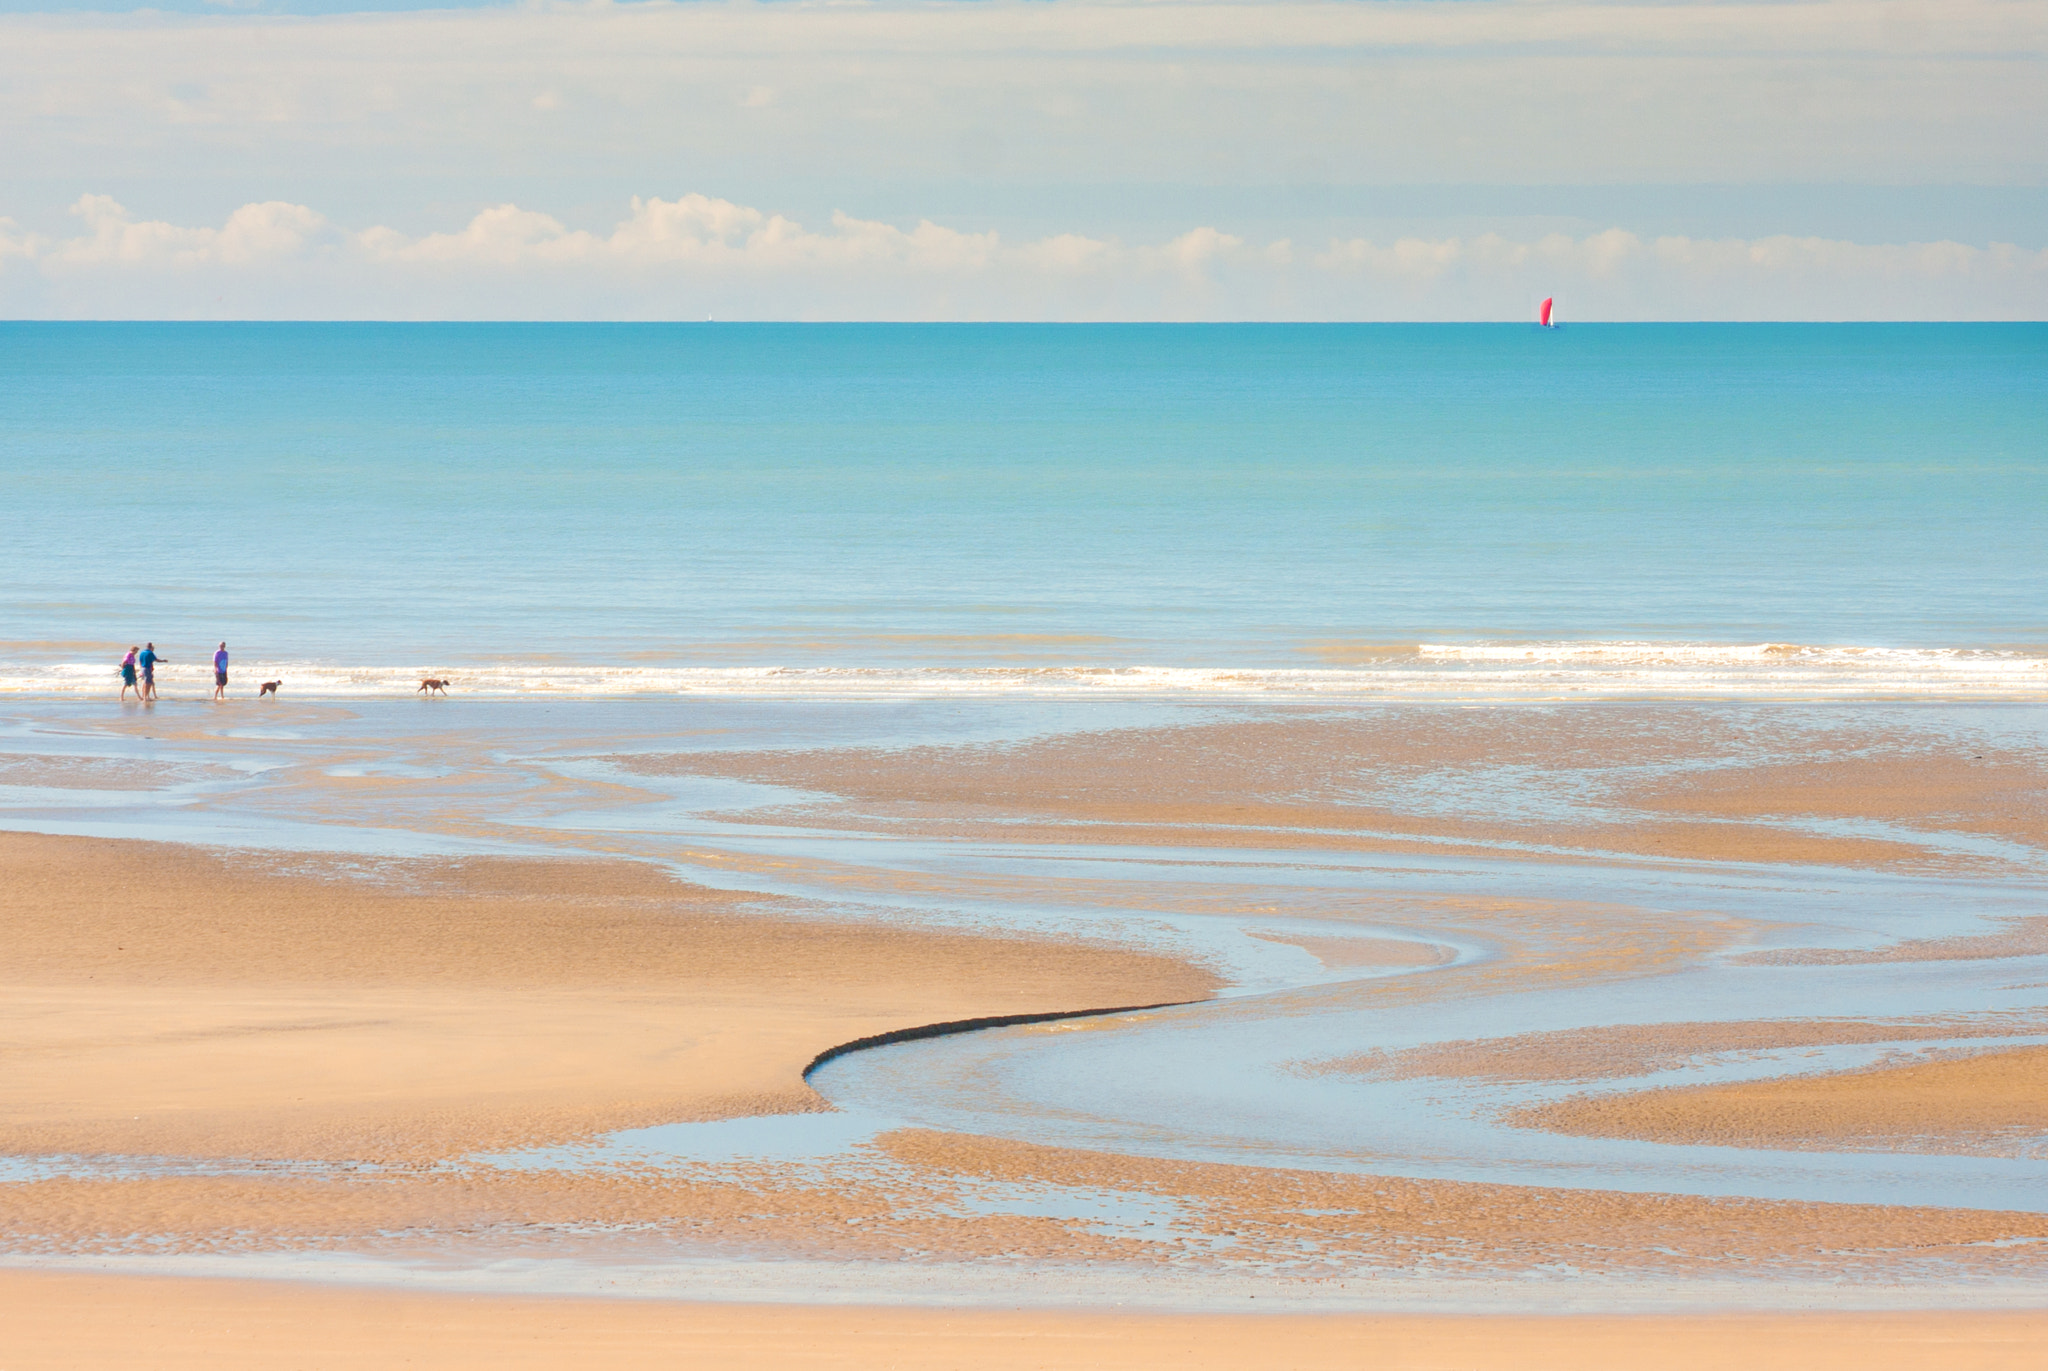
(147,661)
(220,671)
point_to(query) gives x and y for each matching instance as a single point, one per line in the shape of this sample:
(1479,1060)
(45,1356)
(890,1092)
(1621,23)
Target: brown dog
(430,684)
(268,688)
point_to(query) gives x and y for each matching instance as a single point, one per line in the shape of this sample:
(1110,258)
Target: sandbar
(1994,1102)
(1645,781)
(165,1000)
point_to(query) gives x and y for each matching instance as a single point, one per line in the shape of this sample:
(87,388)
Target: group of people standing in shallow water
(138,672)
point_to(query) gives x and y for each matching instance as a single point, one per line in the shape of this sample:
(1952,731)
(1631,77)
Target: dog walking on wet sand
(268,688)
(430,684)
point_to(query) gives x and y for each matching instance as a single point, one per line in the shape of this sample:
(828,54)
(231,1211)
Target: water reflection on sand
(1344,957)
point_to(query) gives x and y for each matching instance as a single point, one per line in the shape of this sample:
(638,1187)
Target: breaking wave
(1526,670)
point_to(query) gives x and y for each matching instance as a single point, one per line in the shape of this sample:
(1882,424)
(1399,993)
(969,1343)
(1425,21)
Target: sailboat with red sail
(1543,313)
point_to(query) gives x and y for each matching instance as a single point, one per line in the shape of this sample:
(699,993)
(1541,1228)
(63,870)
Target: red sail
(1543,314)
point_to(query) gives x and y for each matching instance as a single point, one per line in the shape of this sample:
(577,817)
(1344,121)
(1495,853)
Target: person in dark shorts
(147,661)
(220,671)
(128,675)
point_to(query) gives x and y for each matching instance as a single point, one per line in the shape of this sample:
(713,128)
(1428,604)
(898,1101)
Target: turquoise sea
(912,626)
(1802,508)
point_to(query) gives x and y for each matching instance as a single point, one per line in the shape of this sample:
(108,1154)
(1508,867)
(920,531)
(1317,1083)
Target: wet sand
(175,1002)
(930,1199)
(258,1057)
(1981,790)
(64,1320)
(1994,1104)
(1589,1054)
(2022,937)
(1646,781)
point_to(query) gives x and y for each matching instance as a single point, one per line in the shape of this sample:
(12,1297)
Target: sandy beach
(1996,1102)
(67,1320)
(1648,780)
(173,1001)
(258,1060)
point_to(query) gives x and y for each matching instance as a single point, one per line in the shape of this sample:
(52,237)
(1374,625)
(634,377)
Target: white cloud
(503,236)
(252,234)
(696,255)
(694,233)
(1068,254)
(1197,249)
(273,229)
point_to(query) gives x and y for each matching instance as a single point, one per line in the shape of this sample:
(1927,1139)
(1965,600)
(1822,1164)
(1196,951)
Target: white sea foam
(1538,670)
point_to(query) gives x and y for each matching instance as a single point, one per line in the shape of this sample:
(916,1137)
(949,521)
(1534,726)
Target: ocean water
(1183,517)
(1409,510)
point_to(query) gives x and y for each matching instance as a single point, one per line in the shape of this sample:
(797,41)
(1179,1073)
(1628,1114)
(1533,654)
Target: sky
(1025,159)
